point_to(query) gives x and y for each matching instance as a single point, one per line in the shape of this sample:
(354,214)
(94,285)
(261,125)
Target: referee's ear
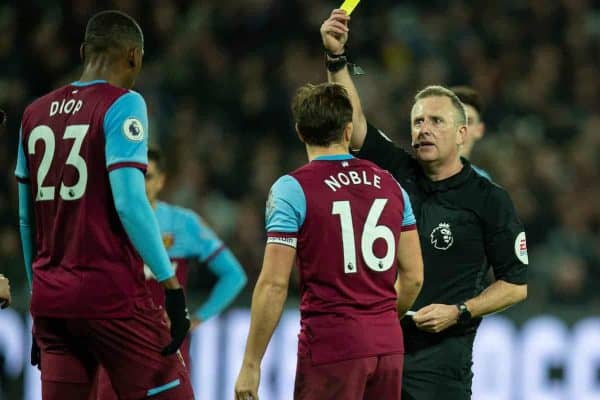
(461,135)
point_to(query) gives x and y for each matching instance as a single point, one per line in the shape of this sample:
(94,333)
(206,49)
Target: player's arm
(410,260)
(268,300)
(25,211)
(334,33)
(285,213)
(125,128)
(139,222)
(231,277)
(506,250)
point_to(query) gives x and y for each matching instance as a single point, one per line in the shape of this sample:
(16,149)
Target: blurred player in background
(349,227)
(466,223)
(187,238)
(87,228)
(4,292)
(475,125)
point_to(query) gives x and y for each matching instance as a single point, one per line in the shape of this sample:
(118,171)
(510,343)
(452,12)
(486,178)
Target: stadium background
(218,78)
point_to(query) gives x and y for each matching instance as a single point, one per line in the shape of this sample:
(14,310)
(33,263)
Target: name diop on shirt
(352,178)
(65,107)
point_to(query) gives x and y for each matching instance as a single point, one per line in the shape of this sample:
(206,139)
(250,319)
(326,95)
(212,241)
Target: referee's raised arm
(334,33)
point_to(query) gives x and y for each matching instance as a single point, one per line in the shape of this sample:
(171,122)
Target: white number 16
(371,232)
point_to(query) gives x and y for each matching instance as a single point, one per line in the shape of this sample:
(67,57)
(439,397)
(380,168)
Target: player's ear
(348,129)
(131,57)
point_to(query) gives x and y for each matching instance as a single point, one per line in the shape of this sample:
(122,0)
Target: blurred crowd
(219,75)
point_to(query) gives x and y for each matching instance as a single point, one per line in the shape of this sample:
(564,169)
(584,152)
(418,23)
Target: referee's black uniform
(466,224)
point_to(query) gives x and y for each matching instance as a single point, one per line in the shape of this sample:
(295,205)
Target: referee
(465,222)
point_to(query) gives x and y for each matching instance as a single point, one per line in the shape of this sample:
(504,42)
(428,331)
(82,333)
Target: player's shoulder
(288,183)
(45,100)
(370,165)
(129,99)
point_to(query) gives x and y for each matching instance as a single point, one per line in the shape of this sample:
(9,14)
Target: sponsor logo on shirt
(521,248)
(133,129)
(441,236)
(287,241)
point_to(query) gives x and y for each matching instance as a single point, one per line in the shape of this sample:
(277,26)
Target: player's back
(84,264)
(347,258)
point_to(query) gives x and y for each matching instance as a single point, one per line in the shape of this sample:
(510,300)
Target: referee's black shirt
(466,223)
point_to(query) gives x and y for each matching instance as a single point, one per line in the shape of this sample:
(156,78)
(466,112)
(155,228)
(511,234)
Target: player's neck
(437,171)
(105,71)
(317,151)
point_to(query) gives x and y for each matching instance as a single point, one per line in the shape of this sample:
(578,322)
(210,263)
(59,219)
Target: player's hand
(179,319)
(196,322)
(334,31)
(35,353)
(246,386)
(5,298)
(435,318)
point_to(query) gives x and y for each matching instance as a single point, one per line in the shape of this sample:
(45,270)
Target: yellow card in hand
(349,6)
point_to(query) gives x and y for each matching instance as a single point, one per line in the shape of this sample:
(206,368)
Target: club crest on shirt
(133,129)
(168,240)
(441,236)
(521,248)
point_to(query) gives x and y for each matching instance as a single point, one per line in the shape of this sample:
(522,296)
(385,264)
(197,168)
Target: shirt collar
(334,157)
(451,182)
(88,83)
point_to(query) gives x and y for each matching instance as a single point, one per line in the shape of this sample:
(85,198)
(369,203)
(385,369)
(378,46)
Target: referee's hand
(435,318)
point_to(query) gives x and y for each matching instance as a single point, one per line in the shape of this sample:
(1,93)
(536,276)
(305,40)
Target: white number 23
(74,159)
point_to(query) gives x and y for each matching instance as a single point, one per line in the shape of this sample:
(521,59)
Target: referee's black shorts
(439,371)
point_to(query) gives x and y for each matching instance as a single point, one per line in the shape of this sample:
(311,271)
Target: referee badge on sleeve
(521,248)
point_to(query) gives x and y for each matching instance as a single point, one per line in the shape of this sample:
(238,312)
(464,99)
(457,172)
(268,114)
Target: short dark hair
(469,96)
(441,91)
(321,112)
(111,29)
(155,155)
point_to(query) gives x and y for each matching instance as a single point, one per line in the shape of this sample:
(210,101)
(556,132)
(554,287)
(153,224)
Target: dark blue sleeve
(139,221)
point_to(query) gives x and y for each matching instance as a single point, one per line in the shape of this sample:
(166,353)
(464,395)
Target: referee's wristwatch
(464,315)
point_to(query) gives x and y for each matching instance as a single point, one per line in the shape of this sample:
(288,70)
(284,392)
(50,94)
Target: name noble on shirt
(352,178)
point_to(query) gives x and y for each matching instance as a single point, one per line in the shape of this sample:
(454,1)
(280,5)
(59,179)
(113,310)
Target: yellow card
(349,6)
